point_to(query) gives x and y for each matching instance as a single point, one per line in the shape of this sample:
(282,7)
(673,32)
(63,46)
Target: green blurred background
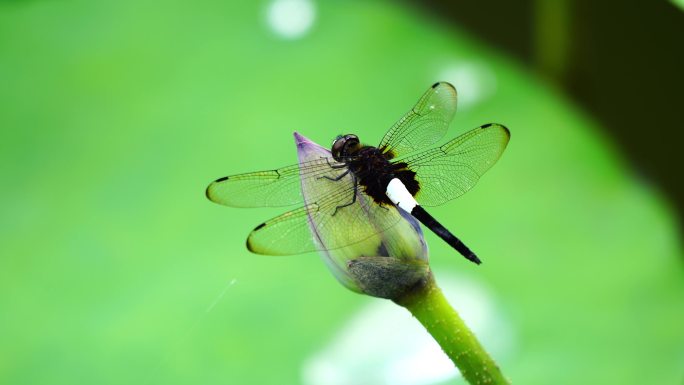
(115,269)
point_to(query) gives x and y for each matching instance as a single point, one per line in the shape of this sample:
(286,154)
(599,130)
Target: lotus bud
(385,264)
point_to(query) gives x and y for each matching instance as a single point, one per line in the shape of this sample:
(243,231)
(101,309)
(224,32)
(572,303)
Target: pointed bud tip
(301,140)
(307,150)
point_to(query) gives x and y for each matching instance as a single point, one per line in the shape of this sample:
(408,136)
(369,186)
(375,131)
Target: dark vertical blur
(622,61)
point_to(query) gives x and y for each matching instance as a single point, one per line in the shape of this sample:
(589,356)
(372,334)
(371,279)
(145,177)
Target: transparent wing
(328,221)
(449,171)
(270,188)
(425,123)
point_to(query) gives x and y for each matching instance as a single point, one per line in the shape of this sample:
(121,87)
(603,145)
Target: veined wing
(449,171)
(329,220)
(425,123)
(270,188)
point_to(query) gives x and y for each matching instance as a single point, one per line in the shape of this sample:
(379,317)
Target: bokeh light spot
(291,19)
(474,82)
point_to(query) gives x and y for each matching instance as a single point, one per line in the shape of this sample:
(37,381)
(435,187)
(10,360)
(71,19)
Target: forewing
(324,223)
(449,171)
(270,188)
(425,123)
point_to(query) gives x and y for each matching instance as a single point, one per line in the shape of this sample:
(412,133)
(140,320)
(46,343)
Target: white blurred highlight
(384,345)
(291,19)
(475,82)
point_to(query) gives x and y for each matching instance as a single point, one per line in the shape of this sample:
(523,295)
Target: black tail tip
(473,258)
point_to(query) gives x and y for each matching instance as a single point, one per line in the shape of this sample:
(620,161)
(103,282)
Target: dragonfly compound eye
(338,146)
(352,139)
(342,145)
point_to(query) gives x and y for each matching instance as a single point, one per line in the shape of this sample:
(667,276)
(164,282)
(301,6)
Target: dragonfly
(361,190)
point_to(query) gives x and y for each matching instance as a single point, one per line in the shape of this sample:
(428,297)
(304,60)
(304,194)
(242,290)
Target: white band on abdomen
(400,196)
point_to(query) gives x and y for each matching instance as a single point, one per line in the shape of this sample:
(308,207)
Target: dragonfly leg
(335,166)
(356,188)
(337,178)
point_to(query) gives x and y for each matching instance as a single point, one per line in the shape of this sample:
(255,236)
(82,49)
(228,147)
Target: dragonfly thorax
(374,170)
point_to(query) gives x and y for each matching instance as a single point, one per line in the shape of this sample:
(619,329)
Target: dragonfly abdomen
(402,197)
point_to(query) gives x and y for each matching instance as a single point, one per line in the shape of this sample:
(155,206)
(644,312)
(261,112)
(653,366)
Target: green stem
(431,308)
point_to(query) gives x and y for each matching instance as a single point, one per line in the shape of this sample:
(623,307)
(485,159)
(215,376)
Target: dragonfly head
(343,146)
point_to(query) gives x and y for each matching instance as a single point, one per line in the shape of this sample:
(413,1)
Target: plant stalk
(428,304)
